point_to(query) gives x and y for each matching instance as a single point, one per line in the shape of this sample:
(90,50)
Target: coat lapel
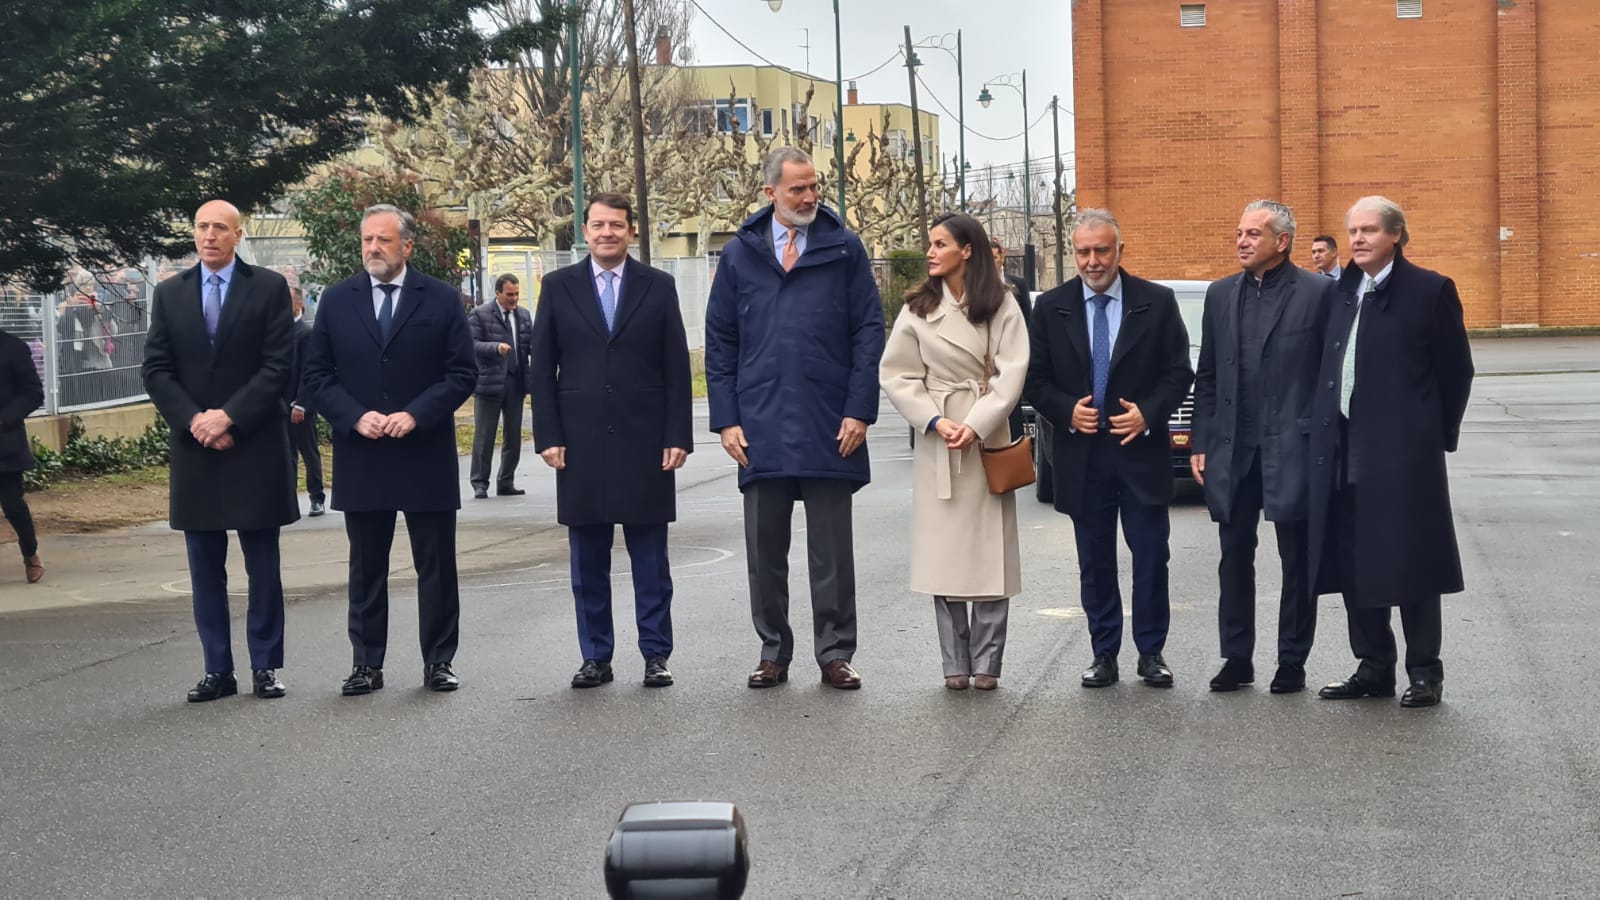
(1135,320)
(239,290)
(1077,334)
(633,293)
(1280,301)
(361,298)
(586,297)
(1229,326)
(955,328)
(410,298)
(188,319)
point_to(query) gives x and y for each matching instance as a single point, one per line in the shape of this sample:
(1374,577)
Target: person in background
(302,412)
(502,333)
(21,392)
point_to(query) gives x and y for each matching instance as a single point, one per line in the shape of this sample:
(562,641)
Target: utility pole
(1061,238)
(573,28)
(916,145)
(636,113)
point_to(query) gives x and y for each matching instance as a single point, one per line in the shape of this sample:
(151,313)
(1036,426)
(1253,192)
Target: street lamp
(961,103)
(838,90)
(985,98)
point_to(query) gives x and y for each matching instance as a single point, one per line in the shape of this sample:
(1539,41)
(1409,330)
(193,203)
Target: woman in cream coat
(963,538)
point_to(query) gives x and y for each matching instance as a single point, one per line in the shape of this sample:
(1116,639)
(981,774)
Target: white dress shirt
(377,295)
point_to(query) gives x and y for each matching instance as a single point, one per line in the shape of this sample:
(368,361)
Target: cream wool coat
(963,538)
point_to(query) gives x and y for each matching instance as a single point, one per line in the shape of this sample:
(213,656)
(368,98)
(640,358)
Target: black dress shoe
(1236,673)
(317,508)
(656,673)
(1355,687)
(214,685)
(509,492)
(593,673)
(267,685)
(1102,672)
(362,680)
(1422,693)
(1289,679)
(1153,669)
(438,677)
(480,493)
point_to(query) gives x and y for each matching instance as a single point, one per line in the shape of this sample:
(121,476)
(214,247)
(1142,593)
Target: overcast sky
(1031,34)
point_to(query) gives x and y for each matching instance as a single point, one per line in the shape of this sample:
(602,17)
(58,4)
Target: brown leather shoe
(985,682)
(839,674)
(955,682)
(768,674)
(34,567)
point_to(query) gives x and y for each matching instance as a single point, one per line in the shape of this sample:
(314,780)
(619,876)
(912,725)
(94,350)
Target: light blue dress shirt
(780,237)
(1113,311)
(225,273)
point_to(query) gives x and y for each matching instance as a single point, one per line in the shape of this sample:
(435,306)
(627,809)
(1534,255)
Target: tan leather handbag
(1010,467)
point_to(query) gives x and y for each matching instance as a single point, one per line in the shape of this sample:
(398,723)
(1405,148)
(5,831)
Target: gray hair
(408,222)
(1096,217)
(1282,219)
(772,166)
(1389,213)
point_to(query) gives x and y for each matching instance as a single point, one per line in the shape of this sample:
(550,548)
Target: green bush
(907,269)
(99,455)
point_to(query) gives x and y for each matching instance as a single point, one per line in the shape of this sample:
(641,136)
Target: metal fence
(87,340)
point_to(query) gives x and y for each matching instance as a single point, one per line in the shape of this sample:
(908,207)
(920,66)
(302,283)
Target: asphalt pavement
(112,785)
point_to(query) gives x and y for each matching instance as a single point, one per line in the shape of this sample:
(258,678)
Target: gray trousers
(975,646)
(487,415)
(830,552)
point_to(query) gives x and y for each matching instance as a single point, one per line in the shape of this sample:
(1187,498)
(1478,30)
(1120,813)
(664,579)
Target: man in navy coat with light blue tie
(218,357)
(390,363)
(612,415)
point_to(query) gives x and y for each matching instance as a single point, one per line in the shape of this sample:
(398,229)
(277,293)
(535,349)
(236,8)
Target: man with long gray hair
(1261,338)
(794,330)
(1398,370)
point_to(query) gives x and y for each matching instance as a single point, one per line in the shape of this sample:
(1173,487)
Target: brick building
(1482,119)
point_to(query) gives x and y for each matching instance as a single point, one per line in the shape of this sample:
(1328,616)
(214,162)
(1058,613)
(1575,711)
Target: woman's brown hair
(984,292)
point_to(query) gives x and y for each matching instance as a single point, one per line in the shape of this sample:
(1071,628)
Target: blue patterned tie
(212,309)
(1101,354)
(386,311)
(608,299)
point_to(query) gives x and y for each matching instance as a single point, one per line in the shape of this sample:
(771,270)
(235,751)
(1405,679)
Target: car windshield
(1191,306)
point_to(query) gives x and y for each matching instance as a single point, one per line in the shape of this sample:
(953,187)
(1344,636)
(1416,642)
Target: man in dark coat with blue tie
(217,363)
(391,362)
(794,332)
(502,333)
(1109,364)
(1392,390)
(612,415)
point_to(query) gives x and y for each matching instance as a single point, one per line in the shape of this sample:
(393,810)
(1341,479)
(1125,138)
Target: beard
(795,217)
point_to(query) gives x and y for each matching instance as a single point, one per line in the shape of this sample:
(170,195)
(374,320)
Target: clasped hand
(1128,425)
(956,435)
(373,425)
(210,428)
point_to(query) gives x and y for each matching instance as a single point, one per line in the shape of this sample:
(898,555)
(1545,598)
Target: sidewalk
(147,563)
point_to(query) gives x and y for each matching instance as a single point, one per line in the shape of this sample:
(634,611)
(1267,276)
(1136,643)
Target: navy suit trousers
(1146,529)
(208,580)
(591,587)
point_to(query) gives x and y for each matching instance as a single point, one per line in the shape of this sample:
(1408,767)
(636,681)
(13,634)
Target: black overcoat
(1149,367)
(296,388)
(614,400)
(425,368)
(251,485)
(1290,354)
(21,392)
(1413,376)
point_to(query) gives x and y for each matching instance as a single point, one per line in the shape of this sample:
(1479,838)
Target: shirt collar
(398,279)
(1383,276)
(225,273)
(595,268)
(780,230)
(1114,292)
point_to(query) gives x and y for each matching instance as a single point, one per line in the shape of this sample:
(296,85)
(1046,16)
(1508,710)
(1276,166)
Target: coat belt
(940,391)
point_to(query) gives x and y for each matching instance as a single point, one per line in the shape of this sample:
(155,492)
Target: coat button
(611,429)
(1227,440)
(1337,344)
(1230,360)
(608,388)
(386,359)
(1330,385)
(1320,460)
(1327,421)
(1228,401)
(386,395)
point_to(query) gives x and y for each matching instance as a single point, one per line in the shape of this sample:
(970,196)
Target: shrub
(84,455)
(907,269)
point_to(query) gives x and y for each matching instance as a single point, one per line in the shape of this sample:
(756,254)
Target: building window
(898,146)
(1192,15)
(1408,9)
(766,122)
(720,115)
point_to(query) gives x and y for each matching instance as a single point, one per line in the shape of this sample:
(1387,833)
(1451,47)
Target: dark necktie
(1100,353)
(386,311)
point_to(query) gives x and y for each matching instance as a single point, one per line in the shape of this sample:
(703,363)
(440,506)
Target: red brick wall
(1476,118)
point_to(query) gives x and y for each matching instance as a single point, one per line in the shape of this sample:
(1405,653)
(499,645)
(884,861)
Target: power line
(969,129)
(731,36)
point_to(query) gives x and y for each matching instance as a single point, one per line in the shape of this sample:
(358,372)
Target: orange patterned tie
(791,252)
